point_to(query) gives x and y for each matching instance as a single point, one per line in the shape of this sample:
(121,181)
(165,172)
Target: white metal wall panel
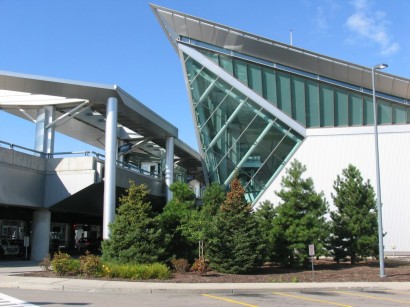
(326,152)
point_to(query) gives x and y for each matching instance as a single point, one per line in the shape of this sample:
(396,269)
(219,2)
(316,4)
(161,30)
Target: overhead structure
(81,110)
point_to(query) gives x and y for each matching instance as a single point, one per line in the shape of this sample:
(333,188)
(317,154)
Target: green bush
(91,265)
(63,264)
(136,271)
(160,271)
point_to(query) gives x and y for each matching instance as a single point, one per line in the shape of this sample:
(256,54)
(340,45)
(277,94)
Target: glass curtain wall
(311,103)
(239,137)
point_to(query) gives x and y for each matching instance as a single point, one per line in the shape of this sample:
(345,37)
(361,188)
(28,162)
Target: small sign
(124,147)
(311,249)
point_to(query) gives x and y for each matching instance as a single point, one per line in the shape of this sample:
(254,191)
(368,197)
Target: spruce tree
(300,219)
(354,222)
(265,216)
(235,243)
(135,234)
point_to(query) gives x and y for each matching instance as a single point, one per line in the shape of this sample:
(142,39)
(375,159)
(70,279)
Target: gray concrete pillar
(110,165)
(44,139)
(41,234)
(169,165)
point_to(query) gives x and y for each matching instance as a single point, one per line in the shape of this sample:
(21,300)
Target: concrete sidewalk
(10,277)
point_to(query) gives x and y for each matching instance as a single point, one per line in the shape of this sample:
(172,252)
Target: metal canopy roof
(176,24)
(22,95)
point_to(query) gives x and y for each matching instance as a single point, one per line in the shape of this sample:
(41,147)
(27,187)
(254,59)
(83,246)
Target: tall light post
(378,190)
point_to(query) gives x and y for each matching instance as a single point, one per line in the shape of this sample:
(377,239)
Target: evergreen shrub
(63,264)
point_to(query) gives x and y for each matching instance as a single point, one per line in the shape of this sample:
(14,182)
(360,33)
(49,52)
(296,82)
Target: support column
(44,139)
(41,234)
(169,165)
(110,165)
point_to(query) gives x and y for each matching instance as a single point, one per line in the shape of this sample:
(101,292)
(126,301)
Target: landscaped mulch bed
(397,269)
(324,271)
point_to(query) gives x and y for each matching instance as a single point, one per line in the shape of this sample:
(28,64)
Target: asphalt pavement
(11,276)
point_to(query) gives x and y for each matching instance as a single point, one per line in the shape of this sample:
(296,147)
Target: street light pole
(378,190)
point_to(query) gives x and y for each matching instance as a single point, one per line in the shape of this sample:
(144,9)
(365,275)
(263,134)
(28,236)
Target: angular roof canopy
(84,104)
(176,24)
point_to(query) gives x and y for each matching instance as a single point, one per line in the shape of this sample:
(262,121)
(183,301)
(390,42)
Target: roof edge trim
(57,80)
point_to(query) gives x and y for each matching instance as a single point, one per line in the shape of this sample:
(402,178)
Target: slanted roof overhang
(22,95)
(177,24)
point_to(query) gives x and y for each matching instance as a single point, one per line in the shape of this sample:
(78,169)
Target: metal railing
(85,153)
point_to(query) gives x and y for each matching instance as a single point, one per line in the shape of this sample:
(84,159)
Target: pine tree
(354,222)
(135,234)
(235,243)
(300,219)
(265,216)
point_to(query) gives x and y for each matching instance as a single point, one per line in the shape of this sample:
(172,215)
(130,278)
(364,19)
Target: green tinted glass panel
(326,106)
(283,87)
(341,108)
(368,113)
(284,91)
(255,78)
(384,112)
(269,85)
(298,100)
(226,63)
(399,114)
(216,108)
(282,152)
(408,115)
(312,104)
(355,110)
(192,68)
(262,163)
(212,55)
(198,83)
(240,71)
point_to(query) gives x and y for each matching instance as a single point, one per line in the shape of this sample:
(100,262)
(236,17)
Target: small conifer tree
(265,217)
(354,222)
(135,234)
(300,219)
(235,244)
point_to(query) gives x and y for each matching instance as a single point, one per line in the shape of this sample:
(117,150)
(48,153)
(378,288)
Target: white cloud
(320,19)
(324,13)
(371,25)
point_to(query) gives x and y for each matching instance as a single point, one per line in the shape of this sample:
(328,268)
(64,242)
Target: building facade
(257,104)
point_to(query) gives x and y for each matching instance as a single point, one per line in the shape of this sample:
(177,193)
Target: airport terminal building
(257,104)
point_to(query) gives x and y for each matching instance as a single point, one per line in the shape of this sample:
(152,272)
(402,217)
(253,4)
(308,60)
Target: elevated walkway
(70,184)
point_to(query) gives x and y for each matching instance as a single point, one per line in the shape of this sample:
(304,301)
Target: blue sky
(120,42)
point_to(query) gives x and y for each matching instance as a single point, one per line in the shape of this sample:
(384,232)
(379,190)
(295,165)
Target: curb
(180,289)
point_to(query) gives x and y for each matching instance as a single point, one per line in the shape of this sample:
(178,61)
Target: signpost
(26,243)
(312,255)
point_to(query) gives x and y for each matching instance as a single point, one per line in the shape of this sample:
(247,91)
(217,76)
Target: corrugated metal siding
(326,152)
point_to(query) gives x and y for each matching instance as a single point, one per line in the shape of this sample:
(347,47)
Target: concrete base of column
(41,234)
